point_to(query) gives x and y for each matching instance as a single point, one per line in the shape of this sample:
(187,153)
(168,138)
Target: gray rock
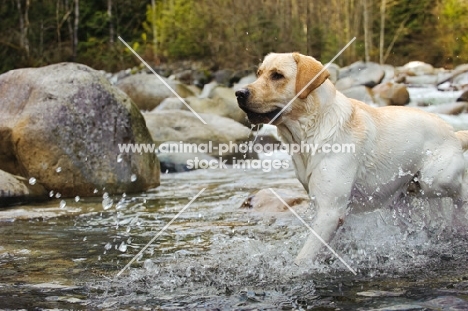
(147,90)
(224,103)
(389,73)
(221,102)
(172,103)
(361,93)
(448,108)
(334,71)
(244,81)
(66,123)
(345,83)
(16,189)
(184,126)
(223,77)
(461,80)
(422,79)
(369,74)
(207,89)
(238,75)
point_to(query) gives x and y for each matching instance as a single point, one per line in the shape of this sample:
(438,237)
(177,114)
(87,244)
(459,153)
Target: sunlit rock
(391,94)
(148,91)
(416,68)
(15,189)
(64,124)
(185,127)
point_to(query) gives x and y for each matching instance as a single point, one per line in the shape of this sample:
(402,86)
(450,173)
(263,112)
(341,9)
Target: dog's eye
(276,76)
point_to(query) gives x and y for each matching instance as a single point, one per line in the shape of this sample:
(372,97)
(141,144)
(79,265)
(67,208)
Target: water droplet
(133,178)
(63,204)
(58,195)
(32,181)
(95,191)
(119,158)
(108,246)
(51,194)
(58,169)
(106,201)
(120,205)
(85,238)
(77,199)
(123,247)
(148,264)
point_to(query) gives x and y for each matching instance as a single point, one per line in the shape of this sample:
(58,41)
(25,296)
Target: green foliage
(229,33)
(454,29)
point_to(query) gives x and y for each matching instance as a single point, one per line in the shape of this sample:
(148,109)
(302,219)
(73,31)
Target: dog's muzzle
(253,116)
(242,97)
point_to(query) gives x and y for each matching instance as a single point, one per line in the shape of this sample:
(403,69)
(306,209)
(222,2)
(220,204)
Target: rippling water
(67,254)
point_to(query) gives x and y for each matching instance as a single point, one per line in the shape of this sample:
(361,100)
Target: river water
(66,254)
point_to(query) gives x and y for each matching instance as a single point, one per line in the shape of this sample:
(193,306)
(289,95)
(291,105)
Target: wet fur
(392,144)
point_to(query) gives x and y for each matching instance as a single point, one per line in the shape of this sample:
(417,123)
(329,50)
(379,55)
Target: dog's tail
(463,138)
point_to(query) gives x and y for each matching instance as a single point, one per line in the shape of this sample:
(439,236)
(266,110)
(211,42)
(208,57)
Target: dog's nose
(242,96)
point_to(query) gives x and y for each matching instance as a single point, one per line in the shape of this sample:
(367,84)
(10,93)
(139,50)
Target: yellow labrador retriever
(393,146)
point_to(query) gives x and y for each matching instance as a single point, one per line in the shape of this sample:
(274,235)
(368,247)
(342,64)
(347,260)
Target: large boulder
(184,126)
(148,91)
(65,123)
(362,73)
(16,189)
(220,101)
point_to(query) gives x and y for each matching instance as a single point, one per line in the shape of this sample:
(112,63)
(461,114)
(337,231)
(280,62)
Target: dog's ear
(308,68)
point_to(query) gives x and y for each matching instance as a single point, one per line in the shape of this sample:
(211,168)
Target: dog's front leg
(331,190)
(327,221)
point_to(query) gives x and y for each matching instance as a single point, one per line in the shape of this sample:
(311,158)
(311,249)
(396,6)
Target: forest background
(233,34)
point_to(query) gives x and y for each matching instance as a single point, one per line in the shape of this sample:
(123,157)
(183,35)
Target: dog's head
(279,79)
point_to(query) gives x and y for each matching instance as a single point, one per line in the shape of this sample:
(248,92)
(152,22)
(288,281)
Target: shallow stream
(66,254)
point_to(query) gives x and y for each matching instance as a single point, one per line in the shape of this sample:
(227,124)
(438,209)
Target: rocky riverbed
(76,208)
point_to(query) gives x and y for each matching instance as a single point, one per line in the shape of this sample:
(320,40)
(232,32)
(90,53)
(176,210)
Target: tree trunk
(383,4)
(366,30)
(153,26)
(59,36)
(75,29)
(24,25)
(69,24)
(111,21)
